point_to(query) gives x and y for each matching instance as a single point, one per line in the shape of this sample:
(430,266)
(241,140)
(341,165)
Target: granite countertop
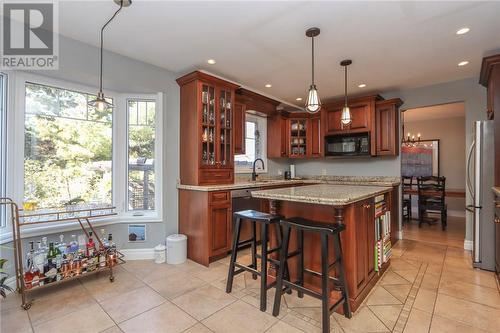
(496,190)
(334,180)
(322,194)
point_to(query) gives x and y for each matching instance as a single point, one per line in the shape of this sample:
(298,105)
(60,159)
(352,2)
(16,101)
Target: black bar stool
(265,220)
(340,283)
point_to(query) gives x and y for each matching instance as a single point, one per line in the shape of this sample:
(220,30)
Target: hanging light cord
(312,60)
(345,84)
(102,40)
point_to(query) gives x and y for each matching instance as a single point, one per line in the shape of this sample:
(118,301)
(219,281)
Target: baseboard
(399,234)
(468,245)
(452,213)
(138,254)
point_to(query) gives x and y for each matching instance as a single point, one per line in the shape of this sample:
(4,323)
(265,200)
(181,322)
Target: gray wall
(451,135)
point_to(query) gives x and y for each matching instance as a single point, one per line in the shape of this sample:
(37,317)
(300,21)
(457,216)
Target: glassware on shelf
(211,135)
(204,136)
(204,97)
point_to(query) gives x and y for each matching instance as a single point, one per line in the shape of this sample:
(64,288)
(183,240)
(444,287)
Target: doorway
(434,145)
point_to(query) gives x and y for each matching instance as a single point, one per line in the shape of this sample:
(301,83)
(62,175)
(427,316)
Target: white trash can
(176,249)
(160,253)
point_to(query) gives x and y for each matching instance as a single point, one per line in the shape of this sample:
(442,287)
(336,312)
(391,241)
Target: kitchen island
(366,213)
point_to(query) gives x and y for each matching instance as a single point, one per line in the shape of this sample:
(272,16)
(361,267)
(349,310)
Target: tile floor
(453,235)
(428,288)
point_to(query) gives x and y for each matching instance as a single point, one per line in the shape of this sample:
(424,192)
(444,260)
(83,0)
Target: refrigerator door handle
(469,157)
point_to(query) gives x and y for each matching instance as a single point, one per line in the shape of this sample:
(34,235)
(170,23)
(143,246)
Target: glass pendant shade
(313,104)
(345,118)
(100,103)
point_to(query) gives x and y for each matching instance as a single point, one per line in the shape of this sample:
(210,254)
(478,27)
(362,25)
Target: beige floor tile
(418,322)
(388,314)
(160,272)
(101,288)
(474,314)
(15,320)
(176,285)
(114,329)
(400,291)
(293,301)
(204,301)
(363,320)
(470,275)
(198,328)
(90,319)
(444,325)
(302,324)
(131,303)
(380,296)
(254,300)
(47,306)
(281,327)
(12,301)
(239,317)
(191,267)
(430,281)
(239,285)
(408,275)
(215,272)
(433,268)
(390,277)
(471,292)
(425,300)
(164,318)
(402,264)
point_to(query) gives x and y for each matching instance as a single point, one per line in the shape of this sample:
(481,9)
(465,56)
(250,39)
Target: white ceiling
(393,45)
(451,110)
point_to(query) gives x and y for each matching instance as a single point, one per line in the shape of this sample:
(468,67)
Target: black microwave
(353,144)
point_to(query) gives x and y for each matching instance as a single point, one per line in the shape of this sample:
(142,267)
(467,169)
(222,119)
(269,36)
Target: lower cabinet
(220,228)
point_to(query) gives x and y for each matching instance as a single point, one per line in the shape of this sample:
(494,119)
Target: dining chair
(431,199)
(406,200)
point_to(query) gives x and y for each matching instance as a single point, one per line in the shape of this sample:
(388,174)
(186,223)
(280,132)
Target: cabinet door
(220,225)
(314,137)
(361,245)
(298,137)
(239,128)
(277,141)
(386,127)
(208,126)
(224,138)
(360,114)
(283,137)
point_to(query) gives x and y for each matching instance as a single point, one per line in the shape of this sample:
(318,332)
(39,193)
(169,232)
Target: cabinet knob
(497,219)
(367,206)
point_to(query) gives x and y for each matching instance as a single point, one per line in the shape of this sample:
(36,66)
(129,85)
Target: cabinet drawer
(216,197)
(218,176)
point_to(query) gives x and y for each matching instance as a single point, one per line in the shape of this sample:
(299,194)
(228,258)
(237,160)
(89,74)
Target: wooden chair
(431,198)
(406,200)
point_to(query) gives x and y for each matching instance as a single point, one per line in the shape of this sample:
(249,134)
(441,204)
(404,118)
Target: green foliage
(3,277)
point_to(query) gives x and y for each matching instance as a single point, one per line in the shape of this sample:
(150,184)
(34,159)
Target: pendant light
(100,103)
(313,103)
(345,118)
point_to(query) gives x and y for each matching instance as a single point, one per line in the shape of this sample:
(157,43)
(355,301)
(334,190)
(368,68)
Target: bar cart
(21,218)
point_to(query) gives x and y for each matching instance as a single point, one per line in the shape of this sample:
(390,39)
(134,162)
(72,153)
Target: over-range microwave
(352,144)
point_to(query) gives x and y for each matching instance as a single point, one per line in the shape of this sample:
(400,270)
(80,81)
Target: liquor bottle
(111,251)
(39,257)
(51,271)
(61,245)
(73,245)
(28,273)
(90,246)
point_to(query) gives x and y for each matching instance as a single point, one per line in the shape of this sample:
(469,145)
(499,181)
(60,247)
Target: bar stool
(340,283)
(265,220)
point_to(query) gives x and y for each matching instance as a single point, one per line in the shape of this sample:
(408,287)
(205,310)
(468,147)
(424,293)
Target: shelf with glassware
(53,263)
(298,137)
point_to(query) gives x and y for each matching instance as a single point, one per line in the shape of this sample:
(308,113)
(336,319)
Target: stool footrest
(336,305)
(243,268)
(306,291)
(245,242)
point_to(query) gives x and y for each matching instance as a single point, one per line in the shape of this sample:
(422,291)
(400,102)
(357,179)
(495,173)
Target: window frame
(15,157)
(249,116)
(4,91)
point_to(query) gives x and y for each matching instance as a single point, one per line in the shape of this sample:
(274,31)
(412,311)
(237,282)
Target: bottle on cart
(102,243)
(51,271)
(31,273)
(90,247)
(61,245)
(111,250)
(39,257)
(73,245)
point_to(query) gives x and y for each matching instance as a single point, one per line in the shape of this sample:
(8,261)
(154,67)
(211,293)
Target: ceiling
(393,45)
(451,110)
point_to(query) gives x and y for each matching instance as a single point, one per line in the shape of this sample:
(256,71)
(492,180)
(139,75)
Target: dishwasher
(242,199)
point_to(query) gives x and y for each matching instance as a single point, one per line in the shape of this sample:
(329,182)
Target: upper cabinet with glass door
(206,129)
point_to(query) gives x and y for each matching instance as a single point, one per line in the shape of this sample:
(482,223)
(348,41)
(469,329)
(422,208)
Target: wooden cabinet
(206,129)
(220,223)
(490,78)
(277,136)
(362,114)
(239,128)
(315,139)
(387,127)
(297,137)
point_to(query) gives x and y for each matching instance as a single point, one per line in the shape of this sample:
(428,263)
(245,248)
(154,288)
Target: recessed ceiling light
(462,31)
(298,99)
(463,63)
(362,85)
(211,61)
(268,85)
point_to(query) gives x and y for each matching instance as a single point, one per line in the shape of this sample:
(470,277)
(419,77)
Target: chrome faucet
(254,174)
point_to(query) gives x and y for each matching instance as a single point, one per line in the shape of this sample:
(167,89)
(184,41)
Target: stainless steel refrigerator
(480,179)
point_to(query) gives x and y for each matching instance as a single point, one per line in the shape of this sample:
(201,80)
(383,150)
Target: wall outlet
(323,172)
(280,172)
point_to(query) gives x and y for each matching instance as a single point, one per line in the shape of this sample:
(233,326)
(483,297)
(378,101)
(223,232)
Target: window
(255,144)
(141,154)
(67,148)
(3,145)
